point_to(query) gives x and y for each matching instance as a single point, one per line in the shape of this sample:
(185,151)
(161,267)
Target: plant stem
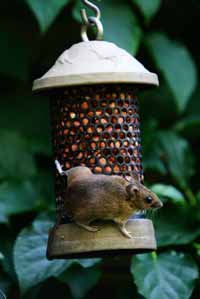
(154,255)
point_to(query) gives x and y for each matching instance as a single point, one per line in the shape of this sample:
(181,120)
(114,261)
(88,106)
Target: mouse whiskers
(150,213)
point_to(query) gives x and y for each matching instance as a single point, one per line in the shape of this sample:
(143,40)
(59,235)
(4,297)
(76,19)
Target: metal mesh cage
(96,126)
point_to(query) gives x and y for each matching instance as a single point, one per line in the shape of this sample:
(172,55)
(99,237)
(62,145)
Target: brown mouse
(91,197)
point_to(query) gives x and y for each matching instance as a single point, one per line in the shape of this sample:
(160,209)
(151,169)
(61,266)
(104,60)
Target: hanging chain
(91,21)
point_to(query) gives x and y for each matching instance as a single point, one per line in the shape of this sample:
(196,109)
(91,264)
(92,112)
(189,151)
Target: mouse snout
(157,205)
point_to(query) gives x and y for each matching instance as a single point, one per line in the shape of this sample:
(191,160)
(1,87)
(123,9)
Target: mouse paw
(124,231)
(127,234)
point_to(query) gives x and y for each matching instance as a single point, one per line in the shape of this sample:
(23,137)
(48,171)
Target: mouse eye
(148,199)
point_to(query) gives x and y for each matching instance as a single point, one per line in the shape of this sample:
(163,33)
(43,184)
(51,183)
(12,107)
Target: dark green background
(164,35)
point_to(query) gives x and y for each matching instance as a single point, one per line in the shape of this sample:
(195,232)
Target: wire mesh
(98,127)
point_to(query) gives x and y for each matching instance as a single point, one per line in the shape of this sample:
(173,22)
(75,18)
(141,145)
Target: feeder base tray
(71,241)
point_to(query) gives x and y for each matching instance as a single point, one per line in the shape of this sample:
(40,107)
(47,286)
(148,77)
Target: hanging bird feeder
(95,123)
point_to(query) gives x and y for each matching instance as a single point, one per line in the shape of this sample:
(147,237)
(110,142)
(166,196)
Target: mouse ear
(132,189)
(133,177)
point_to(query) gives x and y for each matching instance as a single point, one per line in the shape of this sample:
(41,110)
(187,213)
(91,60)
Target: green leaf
(14,58)
(46,11)
(7,238)
(151,158)
(38,136)
(30,260)
(3,219)
(189,126)
(169,192)
(5,285)
(162,101)
(120,24)
(81,280)
(148,7)
(193,106)
(169,275)
(175,154)
(1,256)
(16,160)
(2,295)
(17,197)
(197,247)
(198,197)
(150,162)
(31,264)
(175,226)
(177,66)
(168,153)
(85,263)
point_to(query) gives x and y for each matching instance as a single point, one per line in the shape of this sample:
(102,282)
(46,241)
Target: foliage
(46,12)
(171,59)
(153,274)
(30,257)
(163,36)
(148,8)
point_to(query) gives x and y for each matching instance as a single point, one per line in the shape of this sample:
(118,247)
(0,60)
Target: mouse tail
(59,168)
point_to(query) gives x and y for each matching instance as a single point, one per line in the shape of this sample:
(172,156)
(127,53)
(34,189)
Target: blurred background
(164,36)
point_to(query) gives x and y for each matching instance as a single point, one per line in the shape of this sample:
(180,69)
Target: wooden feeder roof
(95,62)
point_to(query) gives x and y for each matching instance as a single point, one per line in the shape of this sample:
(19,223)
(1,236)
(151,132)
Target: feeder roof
(95,62)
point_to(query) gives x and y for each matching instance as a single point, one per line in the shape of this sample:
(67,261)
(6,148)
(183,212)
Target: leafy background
(164,36)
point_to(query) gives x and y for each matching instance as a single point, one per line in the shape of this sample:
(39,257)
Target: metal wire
(91,21)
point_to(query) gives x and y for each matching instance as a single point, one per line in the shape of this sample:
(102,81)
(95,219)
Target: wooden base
(71,241)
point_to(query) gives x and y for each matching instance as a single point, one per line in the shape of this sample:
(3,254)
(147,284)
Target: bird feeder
(93,88)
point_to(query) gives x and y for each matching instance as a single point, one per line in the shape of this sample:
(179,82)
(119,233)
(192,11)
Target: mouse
(90,197)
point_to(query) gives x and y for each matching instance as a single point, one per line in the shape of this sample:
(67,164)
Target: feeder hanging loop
(91,21)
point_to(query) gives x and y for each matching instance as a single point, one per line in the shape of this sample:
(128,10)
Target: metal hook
(93,7)
(91,21)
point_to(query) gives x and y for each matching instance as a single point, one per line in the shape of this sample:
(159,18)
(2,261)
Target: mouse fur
(91,197)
